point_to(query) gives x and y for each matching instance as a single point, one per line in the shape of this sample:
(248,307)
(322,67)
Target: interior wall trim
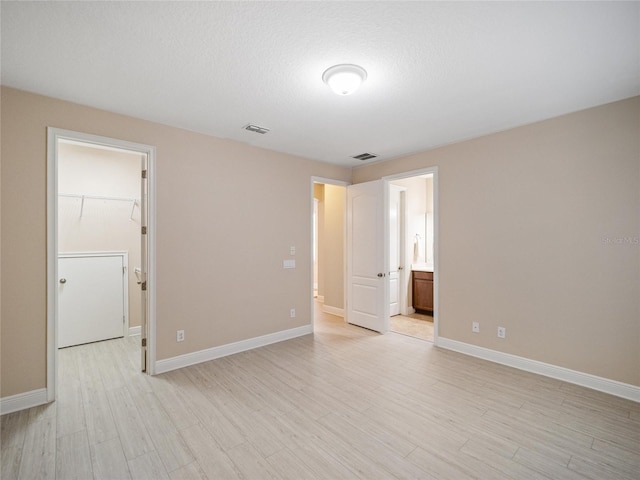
(612,387)
(22,401)
(339,312)
(135,330)
(173,363)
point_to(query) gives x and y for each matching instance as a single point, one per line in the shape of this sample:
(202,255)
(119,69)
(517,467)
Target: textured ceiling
(438,72)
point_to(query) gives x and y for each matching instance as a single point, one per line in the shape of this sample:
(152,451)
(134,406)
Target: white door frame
(53,136)
(327,181)
(436,270)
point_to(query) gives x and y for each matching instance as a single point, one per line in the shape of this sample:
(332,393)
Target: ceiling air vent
(256,128)
(365,156)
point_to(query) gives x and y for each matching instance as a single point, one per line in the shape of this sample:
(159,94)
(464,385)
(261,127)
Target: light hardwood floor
(343,403)
(415,325)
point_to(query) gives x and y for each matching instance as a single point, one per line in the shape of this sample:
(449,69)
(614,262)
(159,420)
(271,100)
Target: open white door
(367,299)
(396,250)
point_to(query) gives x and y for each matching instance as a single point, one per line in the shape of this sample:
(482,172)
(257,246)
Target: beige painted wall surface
(539,232)
(334,212)
(222,233)
(105,225)
(318,194)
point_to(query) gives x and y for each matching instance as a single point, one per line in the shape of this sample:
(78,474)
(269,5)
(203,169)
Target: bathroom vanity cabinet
(422,291)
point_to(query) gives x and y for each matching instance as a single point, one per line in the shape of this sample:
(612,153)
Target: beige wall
(318,194)
(417,204)
(105,225)
(334,211)
(539,232)
(331,211)
(222,233)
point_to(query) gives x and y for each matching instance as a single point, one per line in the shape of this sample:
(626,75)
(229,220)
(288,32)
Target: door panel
(366,277)
(91,298)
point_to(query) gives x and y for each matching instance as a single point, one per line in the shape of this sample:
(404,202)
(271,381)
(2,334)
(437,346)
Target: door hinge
(144,230)
(144,342)
(144,286)
(144,174)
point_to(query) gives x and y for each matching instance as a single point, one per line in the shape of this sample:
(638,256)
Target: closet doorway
(100,245)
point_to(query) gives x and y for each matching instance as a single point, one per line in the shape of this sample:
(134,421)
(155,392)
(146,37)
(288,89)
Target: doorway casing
(54,135)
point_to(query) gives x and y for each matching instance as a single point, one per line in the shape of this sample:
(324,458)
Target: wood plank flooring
(342,403)
(415,325)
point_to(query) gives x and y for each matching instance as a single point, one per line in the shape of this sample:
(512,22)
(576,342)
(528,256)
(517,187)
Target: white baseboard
(613,387)
(320,298)
(134,331)
(22,401)
(339,312)
(168,364)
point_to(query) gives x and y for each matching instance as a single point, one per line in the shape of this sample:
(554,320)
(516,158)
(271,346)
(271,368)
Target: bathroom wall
(417,205)
(105,225)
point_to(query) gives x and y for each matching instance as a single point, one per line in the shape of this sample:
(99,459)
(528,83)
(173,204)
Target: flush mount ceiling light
(344,79)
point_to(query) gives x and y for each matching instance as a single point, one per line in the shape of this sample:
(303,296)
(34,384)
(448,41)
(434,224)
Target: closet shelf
(134,201)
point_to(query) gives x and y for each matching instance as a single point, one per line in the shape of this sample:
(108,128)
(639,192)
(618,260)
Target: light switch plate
(289,264)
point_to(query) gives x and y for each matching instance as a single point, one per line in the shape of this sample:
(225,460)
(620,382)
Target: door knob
(381,274)
(63,280)
(400,268)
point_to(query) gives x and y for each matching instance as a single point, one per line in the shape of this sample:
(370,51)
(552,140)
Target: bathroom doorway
(412,248)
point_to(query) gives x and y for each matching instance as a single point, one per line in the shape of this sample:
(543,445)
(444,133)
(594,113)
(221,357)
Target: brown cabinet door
(423,291)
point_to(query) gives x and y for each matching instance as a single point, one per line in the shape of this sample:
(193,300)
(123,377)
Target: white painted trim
(612,387)
(339,312)
(53,136)
(22,401)
(181,361)
(320,298)
(133,331)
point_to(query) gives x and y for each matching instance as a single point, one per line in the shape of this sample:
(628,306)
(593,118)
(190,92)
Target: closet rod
(100,197)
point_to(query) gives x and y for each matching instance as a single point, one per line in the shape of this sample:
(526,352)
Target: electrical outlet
(292,312)
(180,336)
(502,332)
(475,327)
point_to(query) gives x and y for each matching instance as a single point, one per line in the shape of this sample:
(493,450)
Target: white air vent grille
(365,156)
(256,128)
